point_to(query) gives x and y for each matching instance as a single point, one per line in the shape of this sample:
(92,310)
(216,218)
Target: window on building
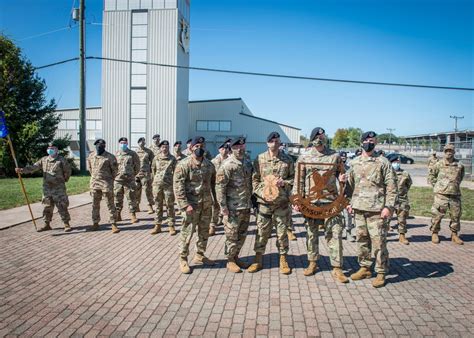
(213,125)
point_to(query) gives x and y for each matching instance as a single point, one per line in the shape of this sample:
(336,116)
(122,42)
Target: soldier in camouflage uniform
(188,151)
(233,191)
(274,211)
(333,226)
(56,172)
(217,161)
(446,176)
(103,168)
(402,207)
(374,194)
(144,177)
(348,223)
(432,160)
(155,147)
(178,154)
(128,168)
(193,184)
(163,170)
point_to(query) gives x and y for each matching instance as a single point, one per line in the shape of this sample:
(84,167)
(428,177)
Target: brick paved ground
(97,283)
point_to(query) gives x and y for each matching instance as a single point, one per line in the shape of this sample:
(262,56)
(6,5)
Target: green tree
(341,138)
(385,138)
(30,117)
(354,135)
(304,140)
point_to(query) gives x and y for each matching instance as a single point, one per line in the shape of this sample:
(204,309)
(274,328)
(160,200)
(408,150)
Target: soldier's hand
(342,177)
(189,209)
(18,170)
(296,208)
(225,212)
(386,213)
(349,209)
(280,183)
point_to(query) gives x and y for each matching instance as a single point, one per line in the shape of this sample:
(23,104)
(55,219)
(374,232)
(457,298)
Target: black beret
(237,141)
(227,140)
(99,140)
(123,139)
(197,140)
(155,136)
(189,141)
(272,135)
(224,145)
(343,153)
(367,134)
(163,143)
(316,131)
(141,139)
(176,143)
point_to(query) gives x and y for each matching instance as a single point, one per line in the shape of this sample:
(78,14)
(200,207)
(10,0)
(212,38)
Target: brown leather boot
(200,259)
(133,218)
(115,230)
(156,229)
(67,227)
(119,216)
(46,227)
(338,275)
(258,264)
(232,266)
(362,273)
(172,230)
(150,209)
(291,235)
(184,266)
(455,239)
(212,229)
(240,263)
(379,281)
(311,269)
(402,239)
(435,238)
(284,267)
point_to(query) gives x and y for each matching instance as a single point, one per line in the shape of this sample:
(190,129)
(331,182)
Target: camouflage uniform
(103,169)
(155,149)
(402,206)
(216,216)
(179,156)
(348,222)
(277,211)
(163,169)
(233,191)
(56,172)
(128,167)
(373,185)
(193,183)
(446,179)
(144,177)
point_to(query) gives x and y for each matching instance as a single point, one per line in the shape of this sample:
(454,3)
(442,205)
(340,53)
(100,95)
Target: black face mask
(199,152)
(368,147)
(100,149)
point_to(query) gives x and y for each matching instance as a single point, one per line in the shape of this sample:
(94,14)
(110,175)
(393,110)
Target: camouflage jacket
(446,177)
(103,169)
(326,182)
(217,161)
(128,165)
(432,160)
(404,183)
(146,159)
(155,149)
(281,166)
(163,169)
(187,152)
(372,183)
(234,184)
(179,156)
(193,182)
(56,172)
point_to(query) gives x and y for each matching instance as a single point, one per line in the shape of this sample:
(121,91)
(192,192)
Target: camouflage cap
(316,131)
(449,147)
(367,134)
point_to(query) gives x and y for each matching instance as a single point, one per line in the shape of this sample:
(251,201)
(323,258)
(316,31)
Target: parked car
(404,159)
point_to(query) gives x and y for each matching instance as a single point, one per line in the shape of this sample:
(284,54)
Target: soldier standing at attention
(144,177)
(188,151)
(217,161)
(56,172)
(432,160)
(128,168)
(233,191)
(103,168)
(446,176)
(273,177)
(333,226)
(178,154)
(163,168)
(193,183)
(155,147)
(402,207)
(374,194)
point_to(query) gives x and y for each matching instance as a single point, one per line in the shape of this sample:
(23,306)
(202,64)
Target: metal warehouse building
(140,99)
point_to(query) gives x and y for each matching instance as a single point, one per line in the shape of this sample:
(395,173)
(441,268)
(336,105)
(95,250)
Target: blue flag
(3,125)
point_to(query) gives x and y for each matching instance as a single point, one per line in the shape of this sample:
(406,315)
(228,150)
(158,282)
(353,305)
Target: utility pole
(456,118)
(82,86)
(390,131)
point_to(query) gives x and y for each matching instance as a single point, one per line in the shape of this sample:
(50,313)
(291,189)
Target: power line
(46,33)
(57,63)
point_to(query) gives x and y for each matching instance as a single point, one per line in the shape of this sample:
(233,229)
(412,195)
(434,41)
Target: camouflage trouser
(441,204)
(216,216)
(371,231)
(267,216)
(61,201)
(147,182)
(128,188)
(96,198)
(200,219)
(403,210)
(164,196)
(235,226)
(333,234)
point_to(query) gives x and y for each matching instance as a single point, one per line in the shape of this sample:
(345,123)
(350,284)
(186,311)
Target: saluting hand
(189,209)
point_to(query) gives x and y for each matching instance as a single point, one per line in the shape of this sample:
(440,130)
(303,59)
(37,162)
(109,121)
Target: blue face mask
(51,152)
(123,146)
(396,166)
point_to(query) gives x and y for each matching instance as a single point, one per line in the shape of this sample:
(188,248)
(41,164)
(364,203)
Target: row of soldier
(228,183)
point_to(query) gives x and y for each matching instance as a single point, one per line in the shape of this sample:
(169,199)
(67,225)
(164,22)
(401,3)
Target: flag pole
(21,180)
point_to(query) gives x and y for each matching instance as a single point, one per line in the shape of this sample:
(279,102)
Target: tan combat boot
(172,230)
(291,235)
(240,263)
(455,239)
(232,266)
(311,269)
(115,230)
(435,238)
(200,259)
(402,239)
(133,218)
(362,273)
(94,227)
(284,267)
(45,227)
(212,229)
(258,264)
(119,216)
(67,227)
(150,209)
(156,229)
(379,281)
(184,266)
(338,275)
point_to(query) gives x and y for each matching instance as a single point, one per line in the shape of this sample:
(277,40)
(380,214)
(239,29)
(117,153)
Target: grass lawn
(421,200)
(11,195)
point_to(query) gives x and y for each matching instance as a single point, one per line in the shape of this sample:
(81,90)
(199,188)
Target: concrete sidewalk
(15,216)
